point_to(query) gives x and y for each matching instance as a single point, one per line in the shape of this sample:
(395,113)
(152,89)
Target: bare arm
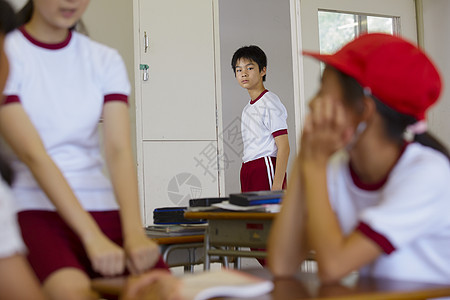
(142,251)
(156,284)
(282,143)
(286,245)
(17,280)
(337,255)
(19,132)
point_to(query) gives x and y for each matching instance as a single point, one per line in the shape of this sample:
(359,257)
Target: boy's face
(248,74)
(4,67)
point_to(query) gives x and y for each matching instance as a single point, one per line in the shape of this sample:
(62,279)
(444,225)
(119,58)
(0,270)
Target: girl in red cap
(369,190)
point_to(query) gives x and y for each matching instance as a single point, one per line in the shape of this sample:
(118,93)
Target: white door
(339,21)
(177,143)
(179,97)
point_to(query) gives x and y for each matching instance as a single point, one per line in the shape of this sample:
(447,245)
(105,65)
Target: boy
(263,127)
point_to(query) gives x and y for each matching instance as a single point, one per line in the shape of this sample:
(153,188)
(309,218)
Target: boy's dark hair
(253,53)
(394,122)
(7,17)
(7,24)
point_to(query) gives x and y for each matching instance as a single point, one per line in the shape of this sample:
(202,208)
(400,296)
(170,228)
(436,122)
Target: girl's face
(331,90)
(59,14)
(4,66)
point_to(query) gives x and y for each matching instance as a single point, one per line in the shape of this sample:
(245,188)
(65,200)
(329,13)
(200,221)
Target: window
(338,28)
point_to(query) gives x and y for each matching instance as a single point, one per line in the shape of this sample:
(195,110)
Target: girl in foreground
(370,187)
(17,280)
(76,223)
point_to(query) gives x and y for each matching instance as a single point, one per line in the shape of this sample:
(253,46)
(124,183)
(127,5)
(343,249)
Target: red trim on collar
(366,186)
(45,45)
(259,97)
(377,185)
(378,238)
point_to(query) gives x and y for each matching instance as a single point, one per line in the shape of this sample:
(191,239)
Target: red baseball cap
(396,71)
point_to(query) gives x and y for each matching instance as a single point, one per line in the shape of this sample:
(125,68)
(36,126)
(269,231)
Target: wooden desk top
(178,239)
(229,215)
(307,286)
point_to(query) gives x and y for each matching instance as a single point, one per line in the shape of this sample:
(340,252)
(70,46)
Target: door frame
(301,99)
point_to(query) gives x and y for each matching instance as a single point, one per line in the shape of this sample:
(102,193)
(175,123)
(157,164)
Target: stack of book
(259,201)
(172,230)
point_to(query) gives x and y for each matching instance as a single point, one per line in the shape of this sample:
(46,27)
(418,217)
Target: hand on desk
(156,284)
(142,253)
(106,257)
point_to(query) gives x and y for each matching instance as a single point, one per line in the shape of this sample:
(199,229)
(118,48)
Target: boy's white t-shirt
(10,238)
(63,88)
(408,217)
(262,119)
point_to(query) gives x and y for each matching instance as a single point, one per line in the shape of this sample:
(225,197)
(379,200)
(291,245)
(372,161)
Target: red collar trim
(259,97)
(377,185)
(45,45)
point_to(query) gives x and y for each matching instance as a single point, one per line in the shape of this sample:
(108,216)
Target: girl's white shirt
(10,238)
(63,92)
(411,210)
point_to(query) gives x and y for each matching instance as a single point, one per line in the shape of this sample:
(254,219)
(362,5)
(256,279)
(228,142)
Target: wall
(437,43)
(111,22)
(17,4)
(265,23)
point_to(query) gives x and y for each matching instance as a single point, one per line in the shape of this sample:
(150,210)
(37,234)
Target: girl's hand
(156,284)
(106,257)
(142,252)
(326,130)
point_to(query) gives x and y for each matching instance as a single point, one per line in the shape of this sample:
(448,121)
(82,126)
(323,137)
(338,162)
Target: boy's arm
(282,143)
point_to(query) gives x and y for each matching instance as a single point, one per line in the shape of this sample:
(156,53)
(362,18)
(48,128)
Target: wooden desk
(178,239)
(233,230)
(189,243)
(307,286)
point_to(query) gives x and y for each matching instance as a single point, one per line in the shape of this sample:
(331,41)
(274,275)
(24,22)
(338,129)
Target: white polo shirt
(407,216)
(63,88)
(262,120)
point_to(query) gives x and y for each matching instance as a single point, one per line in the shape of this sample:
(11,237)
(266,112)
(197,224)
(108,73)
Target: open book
(223,283)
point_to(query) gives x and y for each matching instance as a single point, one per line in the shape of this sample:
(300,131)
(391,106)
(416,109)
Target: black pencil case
(172,215)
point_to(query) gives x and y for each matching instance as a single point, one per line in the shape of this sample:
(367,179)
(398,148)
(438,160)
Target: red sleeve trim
(378,238)
(279,132)
(11,99)
(116,97)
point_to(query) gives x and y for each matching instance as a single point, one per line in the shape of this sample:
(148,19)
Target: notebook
(224,283)
(257,198)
